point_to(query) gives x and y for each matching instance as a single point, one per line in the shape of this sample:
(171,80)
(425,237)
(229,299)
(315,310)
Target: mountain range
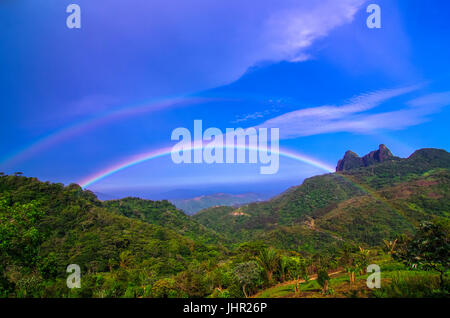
(372,199)
(351,160)
(46,226)
(193,205)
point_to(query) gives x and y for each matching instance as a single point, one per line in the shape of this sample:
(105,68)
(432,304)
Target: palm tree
(362,260)
(348,261)
(269,261)
(282,268)
(126,259)
(389,246)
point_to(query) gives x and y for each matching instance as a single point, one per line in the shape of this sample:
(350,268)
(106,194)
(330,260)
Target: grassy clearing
(278,291)
(396,282)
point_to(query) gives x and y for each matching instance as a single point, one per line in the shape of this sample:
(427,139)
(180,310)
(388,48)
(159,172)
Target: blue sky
(75,102)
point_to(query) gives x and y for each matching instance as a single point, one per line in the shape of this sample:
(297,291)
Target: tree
(112,263)
(362,260)
(269,260)
(322,279)
(348,260)
(48,266)
(19,238)
(248,275)
(297,269)
(126,259)
(283,267)
(220,277)
(429,248)
(389,246)
(164,288)
(19,235)
(192,282)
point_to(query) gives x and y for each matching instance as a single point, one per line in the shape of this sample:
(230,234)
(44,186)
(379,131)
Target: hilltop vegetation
(162,213)
(365,204)
(70,226)
(192,206)
(338,222)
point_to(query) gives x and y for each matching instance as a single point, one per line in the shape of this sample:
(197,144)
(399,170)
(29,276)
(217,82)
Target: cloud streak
(356,116)
(291,31)
(219,40)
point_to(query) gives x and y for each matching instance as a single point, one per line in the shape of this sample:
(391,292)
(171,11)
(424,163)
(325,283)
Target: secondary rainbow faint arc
(137,159)
(85,124)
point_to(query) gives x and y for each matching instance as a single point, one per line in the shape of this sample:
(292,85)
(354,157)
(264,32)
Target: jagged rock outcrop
(352,161)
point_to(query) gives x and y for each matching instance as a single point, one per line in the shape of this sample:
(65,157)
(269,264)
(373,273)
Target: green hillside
(192,206)
(162,213)
(338,222)
(365,204)
(45,227)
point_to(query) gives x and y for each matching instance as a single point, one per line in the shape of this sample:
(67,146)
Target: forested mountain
(138,248)
(193,205)
(162,213)
(45,227)
(366,204)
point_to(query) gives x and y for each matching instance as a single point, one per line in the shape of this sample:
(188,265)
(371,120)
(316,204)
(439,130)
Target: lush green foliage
(165,214)
(367,205)
(192,206)
(429,249)
(142,248)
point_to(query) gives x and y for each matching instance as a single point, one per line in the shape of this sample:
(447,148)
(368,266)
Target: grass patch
(278,291)
(412,284)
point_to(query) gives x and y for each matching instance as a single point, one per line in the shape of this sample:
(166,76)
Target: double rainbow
(84,125)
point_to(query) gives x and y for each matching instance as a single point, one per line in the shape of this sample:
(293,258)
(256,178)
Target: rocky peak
(352,161)
(376,156)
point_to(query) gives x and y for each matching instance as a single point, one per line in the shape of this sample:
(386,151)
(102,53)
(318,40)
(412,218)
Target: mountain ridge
(138,248)
(193,205)
(347,194)
(352,161)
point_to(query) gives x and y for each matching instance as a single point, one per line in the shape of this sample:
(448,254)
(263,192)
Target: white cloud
(259,114)
(199,44)
(291,31)
(354,116)
(432,100)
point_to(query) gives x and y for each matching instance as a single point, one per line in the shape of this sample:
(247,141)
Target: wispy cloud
(220,46)
(354,116)
(292,30)
(259,114)
(432,100)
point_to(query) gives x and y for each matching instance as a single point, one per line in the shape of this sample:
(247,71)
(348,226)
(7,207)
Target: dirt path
(292,282)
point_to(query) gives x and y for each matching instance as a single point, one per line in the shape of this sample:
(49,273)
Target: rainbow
(95,121)
(137,159)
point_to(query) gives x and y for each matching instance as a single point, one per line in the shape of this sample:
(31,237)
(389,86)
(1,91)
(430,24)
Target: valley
(335,223)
